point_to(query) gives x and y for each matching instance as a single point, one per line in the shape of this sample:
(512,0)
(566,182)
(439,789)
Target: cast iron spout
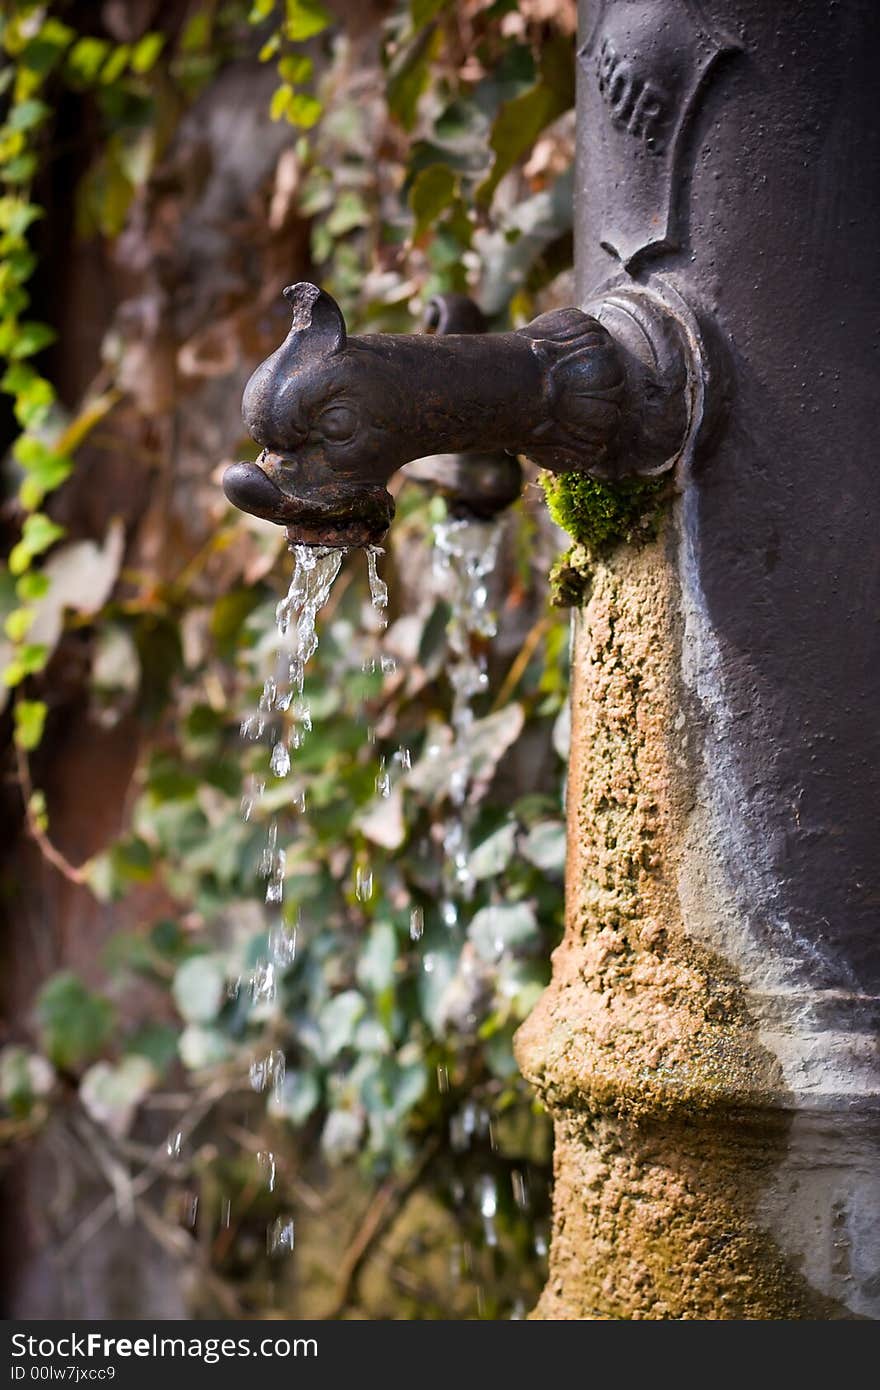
(337,416)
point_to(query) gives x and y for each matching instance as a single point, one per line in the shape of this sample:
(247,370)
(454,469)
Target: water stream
(283,721)
(465,554)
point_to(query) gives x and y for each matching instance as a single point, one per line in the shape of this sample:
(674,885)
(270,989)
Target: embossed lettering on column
(644,68)
(636,102)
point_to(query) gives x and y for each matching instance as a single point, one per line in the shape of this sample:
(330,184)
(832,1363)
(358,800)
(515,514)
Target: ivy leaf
(202,1047)
(408,76)
(520,121)
(304,19)
(30,338)
(26,115)
(544,846)
(281,99)
(33,403)
(86,58)
(116,64)
(38,534)
(260,10)
(33,586)
(28,660)
(46,469)
(296,67)
(349,211)
(146,51)
(24,1078)
(492,856)
(74,1024)
(199,988)
(20,169)
(299,1096)
(111,1093)
(497,929)
(30,720)
(155,1041)
(342,1134)
(433,190)
(339,1018)
(16,215)
(18,624)
(303,110)
(46,47)
(375,970)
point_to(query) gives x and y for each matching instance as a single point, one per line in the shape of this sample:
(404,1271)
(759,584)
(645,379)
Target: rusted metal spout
(476,486)
(336,416)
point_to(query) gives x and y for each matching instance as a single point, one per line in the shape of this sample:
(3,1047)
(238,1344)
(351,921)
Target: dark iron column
(708,1045)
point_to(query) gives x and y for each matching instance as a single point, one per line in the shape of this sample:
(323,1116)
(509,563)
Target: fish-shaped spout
(336,416)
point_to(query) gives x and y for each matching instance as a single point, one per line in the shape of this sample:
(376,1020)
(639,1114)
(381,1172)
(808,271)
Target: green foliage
(41,49)
(74,1024)
(25,1079)
(295,22)
(30,719)
(397,1044)
(521,120)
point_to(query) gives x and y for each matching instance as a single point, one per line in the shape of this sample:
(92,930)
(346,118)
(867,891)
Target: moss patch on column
(598,516)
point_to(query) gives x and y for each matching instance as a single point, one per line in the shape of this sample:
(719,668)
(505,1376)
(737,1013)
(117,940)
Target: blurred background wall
(167,169)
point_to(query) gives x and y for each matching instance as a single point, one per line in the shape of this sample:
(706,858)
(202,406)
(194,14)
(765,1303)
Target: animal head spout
(604,393)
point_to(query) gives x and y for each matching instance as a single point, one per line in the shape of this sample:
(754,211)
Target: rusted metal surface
(336,416)
(477,485)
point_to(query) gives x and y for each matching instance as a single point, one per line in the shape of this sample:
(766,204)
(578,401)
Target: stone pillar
(708,1044)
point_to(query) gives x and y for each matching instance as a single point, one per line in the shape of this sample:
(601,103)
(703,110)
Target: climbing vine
(40,49)
(444,166)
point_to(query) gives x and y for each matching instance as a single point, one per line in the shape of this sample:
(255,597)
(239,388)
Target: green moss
(598,516)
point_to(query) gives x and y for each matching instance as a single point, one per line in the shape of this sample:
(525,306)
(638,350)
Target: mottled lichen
(598,515)
(671,1114)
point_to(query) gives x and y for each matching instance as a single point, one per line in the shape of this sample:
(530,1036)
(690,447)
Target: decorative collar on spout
(336,416)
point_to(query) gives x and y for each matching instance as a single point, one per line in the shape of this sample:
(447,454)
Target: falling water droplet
(383,780)
(363,884)
(282,944)
(520,1191)
(268,1070)
(404,757)
(173,1147)
(442,1078)
(378,587)
(488,1202)
(266,1161)
(263,982)
(416,923)
(280,760)
(280,1236)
